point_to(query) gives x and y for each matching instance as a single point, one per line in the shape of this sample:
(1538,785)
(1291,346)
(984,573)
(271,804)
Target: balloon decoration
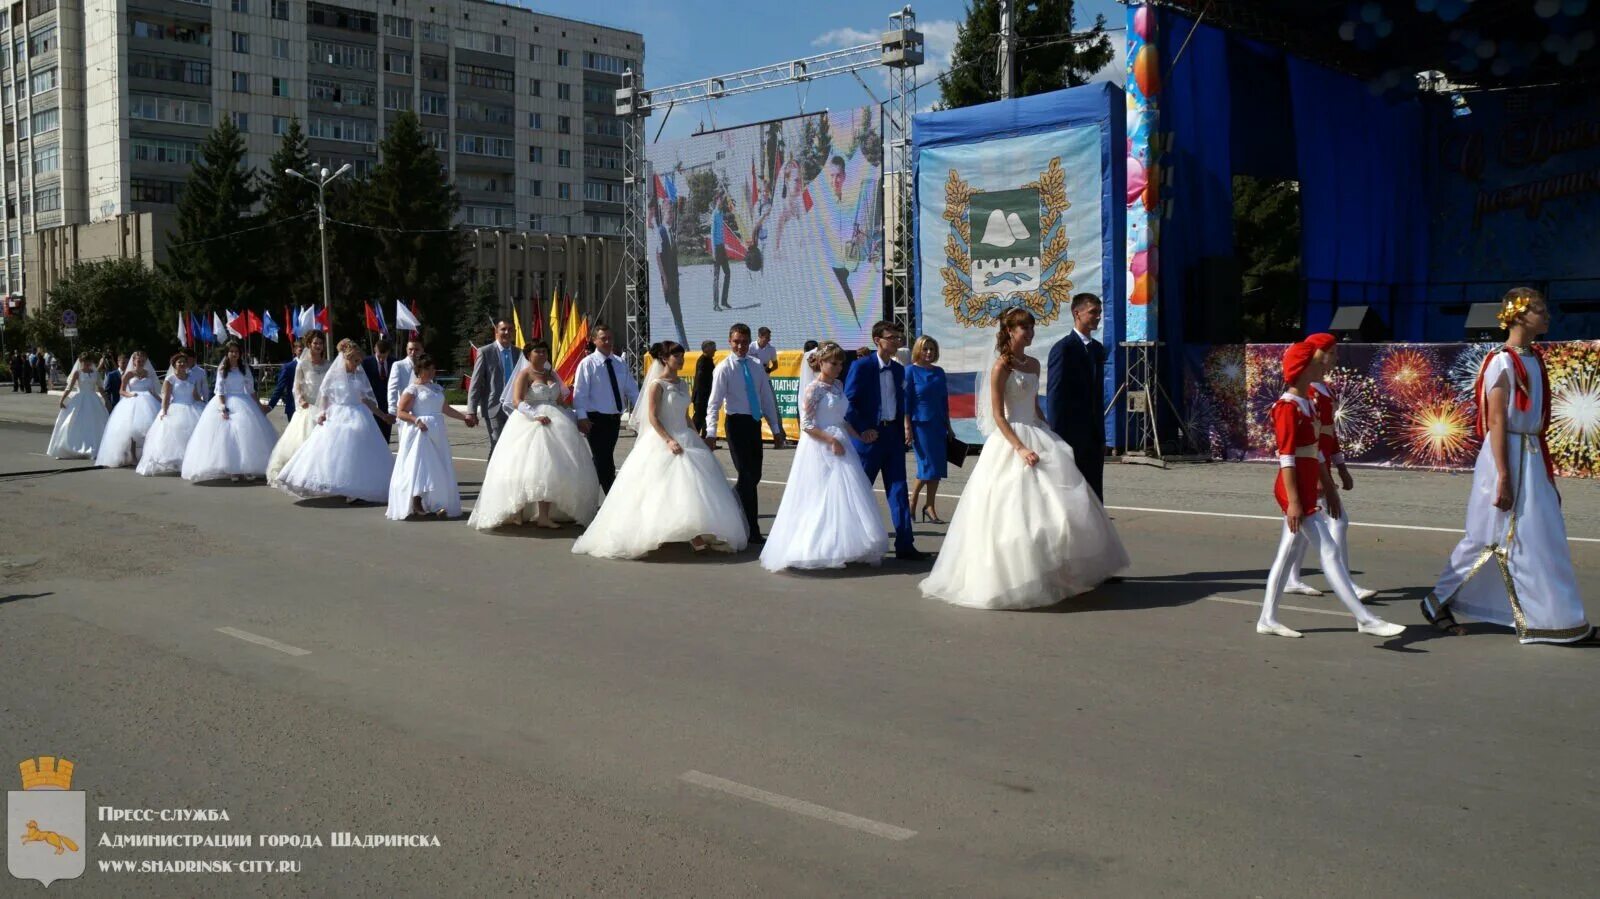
(1146,71)
(1136,179)
(1144,22)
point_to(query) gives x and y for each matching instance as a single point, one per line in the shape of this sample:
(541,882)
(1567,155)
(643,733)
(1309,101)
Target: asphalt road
(696,726)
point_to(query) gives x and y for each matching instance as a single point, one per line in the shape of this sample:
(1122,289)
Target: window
(536,154)
(145,190)
(341,92)
(602,62)
(158,149)
(341,17)
(605,224)
(436,33)
(398,62)
(397,98)
(563,190)
(241,121)
(490,216)
(490,183)
(535,87)
(602,191)
(605,126)
(46,120)
(280,48)
(535,188)
(563,58)
(48,199)
(486,43)
(280,10)
(563,91)
(169,109)
(344,56)
(595,93)
(564,158)
(535,53)
(602,157)
(280,125)
(434,68)
(563,124)
(40,7)
(535,223)
(241,83)
(397,26)
(150,29)
(479,111)
(485,76)
(47,159)
(240,41)
(484,145)
(167,68)
(435,104)
(42,81)
(240,6)
(535,121)
(41,42)
(332,128)
(437,139)
(280,87)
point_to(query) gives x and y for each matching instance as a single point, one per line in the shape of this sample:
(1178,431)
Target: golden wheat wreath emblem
(1015,265)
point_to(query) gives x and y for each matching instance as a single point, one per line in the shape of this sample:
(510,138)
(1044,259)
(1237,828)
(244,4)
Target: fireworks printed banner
(1405,405)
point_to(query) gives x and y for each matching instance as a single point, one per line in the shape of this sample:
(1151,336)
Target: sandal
(1444,622)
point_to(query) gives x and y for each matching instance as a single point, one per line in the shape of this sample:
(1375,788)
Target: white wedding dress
(236,446)
(423,466)
(81,421)
(168,440)
(536,463)
(828,517)
(130,422)
(307,384)
(661,498)
(1024,537)
(346,455)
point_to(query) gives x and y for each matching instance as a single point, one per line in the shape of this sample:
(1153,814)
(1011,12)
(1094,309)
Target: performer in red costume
(1303,477)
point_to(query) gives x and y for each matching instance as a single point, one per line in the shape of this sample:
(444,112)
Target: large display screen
(777,224)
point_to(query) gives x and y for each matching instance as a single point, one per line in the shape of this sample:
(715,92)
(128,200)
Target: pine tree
(1047,58)
(211,264)
(412,204)
(475,319)
(294,267)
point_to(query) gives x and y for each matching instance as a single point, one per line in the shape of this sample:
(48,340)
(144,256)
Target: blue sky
(689,39)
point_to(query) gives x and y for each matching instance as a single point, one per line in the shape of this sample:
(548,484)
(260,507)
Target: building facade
(104,113)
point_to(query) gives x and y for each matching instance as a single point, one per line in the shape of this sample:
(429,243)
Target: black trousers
(1090,454)
(744,445)
(603,428)
(720,271)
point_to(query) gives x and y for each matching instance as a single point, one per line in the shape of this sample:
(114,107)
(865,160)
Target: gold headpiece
(1515,304)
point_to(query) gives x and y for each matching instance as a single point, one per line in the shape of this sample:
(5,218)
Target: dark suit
(284,390)
(378,376)
(111,387)
(703,367)
(1075,403)
(887,454)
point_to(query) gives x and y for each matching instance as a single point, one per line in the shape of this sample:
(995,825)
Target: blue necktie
(750,387)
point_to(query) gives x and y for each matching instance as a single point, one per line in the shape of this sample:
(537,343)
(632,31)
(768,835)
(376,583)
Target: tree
(210,263)
(1266,237)
(120,305)
(412,204)
(294,265)
(474,319)
(1050,54)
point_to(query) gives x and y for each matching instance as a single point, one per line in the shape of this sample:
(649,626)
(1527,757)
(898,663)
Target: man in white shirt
(764,350)
(602,390)
(403,371)
(740,383)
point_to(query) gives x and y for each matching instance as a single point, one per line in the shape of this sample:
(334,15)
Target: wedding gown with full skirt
(81,421)
(536,463)
(1024,537)
(828,516)
(129,423)
(660,497)
(423,467)
(236,446)
(346,455)
(168,440)
(307,384)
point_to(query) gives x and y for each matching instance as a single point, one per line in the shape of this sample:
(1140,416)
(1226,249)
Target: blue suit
(888,453)
(284,391)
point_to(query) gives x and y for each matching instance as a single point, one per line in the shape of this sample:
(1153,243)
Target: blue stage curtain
(1363,199)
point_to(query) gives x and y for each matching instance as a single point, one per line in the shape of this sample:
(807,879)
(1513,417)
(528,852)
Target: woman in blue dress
(927,405)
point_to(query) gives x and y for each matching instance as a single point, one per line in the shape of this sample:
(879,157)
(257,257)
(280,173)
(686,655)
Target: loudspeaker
(1358,323)
(1483,321)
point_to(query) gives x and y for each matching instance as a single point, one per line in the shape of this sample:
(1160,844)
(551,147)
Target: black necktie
(616,391)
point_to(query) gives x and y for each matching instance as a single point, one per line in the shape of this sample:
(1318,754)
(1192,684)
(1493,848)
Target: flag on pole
(197,333)
(218,330)
(322,319)
(371,319)
(183,329)
(252,323)
(405,318)
(288,324)
(268,327)
(307,320)
(383,324)
(516,326)
(231,323)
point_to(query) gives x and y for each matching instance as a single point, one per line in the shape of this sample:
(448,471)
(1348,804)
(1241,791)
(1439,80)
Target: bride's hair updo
(424,363)
(1011,318)
(828,352)
(539,345)
(349,349)
(665,350)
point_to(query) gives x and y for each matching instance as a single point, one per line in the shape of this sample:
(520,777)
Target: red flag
(372,319)
(252,322)
(240,323)
(288,324)
(538,321)
(322,320)
(806,198)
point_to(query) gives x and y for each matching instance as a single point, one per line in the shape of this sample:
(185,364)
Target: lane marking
(798,806)
(1251,602)
(259,640)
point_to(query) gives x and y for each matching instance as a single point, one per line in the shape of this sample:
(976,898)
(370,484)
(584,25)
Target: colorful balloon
(1152,190)
(1140,264)
(1144,22)
(1146,71)
(1136,180)
(1141,291)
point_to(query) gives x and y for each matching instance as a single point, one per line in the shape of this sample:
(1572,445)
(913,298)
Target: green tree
(120,304)
(294,265)
(475,319)
(1266,237)
(1050,53)
(412,204)
(210,263)
(353,247)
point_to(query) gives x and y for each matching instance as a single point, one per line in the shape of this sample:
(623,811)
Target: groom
(873,389)
(741,385)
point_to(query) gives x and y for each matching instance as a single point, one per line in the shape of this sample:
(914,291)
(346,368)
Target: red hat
(1295,360)
(1322,342)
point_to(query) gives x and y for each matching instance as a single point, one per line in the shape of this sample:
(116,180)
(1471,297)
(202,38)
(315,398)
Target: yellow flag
(556,337)
(516,324)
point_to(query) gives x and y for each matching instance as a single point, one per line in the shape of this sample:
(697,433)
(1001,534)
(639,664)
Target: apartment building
(105,104)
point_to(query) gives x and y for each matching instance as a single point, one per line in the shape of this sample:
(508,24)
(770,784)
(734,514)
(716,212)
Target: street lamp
(320,178)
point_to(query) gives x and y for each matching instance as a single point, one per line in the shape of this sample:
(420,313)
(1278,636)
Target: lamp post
(321,178)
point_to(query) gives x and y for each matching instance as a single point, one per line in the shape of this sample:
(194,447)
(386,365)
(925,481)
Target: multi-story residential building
(105,106)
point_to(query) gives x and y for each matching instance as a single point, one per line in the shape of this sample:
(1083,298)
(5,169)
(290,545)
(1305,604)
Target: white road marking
(1252,602)
(259,640)
(798,806)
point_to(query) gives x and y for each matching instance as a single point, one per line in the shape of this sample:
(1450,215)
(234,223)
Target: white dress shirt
(401,374)
(887,395)
(591,387)
(768,355)
(728,390)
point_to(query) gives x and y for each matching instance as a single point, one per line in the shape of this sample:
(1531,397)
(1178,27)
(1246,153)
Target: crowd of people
(1031,529)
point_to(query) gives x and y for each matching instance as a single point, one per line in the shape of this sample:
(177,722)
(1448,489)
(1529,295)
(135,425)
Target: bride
(424,479)
(169,437)
(130,421)
(1028,531)
(308,374)
(542,466)
(671,488)
(233,438)
(347,455)
(82,419)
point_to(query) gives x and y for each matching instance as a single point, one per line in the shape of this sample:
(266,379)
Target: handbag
(955,451)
